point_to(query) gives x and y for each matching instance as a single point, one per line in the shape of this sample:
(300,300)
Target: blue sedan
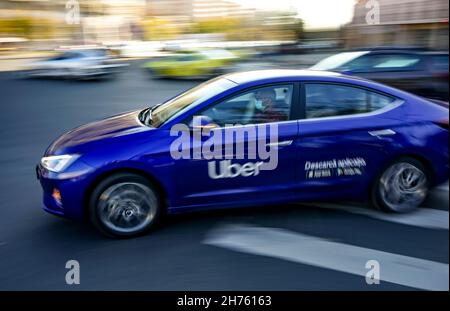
(250,138)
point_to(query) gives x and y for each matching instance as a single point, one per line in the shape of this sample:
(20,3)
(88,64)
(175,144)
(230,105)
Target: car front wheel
(402,187)
(124,205)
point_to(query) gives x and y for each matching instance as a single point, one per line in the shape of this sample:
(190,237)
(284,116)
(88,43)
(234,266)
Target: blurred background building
(41,24)
(193,10)
(402,22)
(44,21)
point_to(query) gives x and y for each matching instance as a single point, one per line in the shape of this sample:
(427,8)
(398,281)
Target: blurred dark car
(419,71)
(75,64)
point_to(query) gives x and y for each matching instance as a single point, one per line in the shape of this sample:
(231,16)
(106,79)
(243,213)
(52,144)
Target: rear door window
(331,100)
(396,62)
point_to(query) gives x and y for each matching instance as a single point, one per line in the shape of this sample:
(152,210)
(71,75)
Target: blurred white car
(76,64)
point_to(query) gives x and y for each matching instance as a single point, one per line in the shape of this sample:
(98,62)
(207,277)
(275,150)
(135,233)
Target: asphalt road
(268,248)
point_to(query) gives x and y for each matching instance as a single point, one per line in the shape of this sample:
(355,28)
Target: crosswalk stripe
(310,250)
(422,217)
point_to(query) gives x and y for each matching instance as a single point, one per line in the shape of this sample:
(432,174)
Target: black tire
(392,184)
(127,210)
(153,74)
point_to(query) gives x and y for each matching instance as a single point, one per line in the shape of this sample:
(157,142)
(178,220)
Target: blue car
(250,138)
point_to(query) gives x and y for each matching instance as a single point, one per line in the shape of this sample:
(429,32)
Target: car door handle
(283,143)
(385,132)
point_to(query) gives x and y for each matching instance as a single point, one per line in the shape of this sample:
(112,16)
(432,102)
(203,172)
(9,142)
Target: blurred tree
(218,25)
(43,29)
(267,26)
(298,28)
(155,28)
(20,26)
(282,25)
(27,27)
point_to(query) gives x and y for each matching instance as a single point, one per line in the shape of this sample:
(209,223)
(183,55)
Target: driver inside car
(266,107)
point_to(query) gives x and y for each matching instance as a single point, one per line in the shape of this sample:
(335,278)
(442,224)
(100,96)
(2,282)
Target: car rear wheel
(124,205)
(402,187)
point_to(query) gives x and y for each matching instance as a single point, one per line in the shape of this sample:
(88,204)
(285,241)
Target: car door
(345,137)
(243,173)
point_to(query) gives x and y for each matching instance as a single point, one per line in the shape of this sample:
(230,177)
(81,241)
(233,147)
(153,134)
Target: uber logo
(228,170)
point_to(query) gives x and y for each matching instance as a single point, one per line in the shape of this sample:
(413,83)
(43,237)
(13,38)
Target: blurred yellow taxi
(193,64)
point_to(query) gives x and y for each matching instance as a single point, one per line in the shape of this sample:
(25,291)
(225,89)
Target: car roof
(437,53)
(392,48)
(257,75)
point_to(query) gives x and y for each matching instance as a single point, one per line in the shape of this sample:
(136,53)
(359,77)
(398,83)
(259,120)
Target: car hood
(123,124)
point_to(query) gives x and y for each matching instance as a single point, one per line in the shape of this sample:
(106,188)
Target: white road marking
(310,250)
(422,217)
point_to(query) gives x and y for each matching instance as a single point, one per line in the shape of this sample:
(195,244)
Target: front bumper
(71,185)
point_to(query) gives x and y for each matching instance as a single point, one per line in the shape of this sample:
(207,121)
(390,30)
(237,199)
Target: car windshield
(217,54)
(179,104)
(337,60)
(95,53)
(187,58)
(65,55)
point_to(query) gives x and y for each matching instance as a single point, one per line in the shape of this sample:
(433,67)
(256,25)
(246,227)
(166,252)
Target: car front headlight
(58,163)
